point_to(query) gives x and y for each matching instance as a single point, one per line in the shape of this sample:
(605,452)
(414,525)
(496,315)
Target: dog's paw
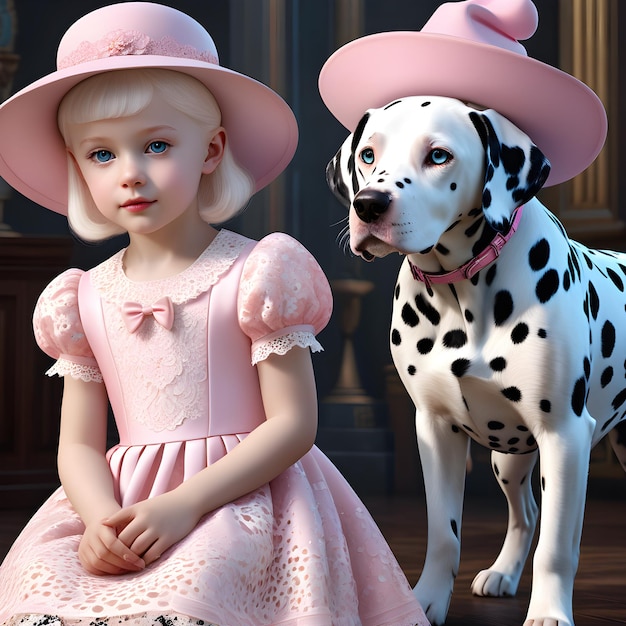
(435,601)
(490,582)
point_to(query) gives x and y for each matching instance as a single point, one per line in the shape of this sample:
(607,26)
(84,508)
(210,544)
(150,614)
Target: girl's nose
(132,173)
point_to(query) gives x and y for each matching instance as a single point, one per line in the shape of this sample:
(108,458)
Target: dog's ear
(515,168)
(341,172)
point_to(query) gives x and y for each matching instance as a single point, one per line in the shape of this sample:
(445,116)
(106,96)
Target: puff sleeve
(59,332)
(284,297)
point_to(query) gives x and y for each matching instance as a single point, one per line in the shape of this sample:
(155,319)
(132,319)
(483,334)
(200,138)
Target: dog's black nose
(370,204)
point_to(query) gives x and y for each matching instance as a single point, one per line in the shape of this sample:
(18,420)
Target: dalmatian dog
(503,331)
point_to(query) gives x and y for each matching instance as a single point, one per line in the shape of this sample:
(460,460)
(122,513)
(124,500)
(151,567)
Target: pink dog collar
(473,266)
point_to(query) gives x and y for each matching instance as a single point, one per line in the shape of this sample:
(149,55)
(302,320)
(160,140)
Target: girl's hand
(150,527)
(101,552)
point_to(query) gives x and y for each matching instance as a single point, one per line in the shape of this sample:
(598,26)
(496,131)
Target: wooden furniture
(29,400)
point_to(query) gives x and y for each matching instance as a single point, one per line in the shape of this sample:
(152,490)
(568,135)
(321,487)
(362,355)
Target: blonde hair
(121,93)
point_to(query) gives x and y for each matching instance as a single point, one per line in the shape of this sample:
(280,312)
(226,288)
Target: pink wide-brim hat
(260,126)
(470,50)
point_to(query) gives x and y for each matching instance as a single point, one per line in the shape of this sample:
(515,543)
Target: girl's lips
(137,206)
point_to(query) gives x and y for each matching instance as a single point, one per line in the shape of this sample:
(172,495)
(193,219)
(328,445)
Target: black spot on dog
(519,333)
(396,293)
(442,249)
(594,301)
(486,198)
(587,367)
(454,339)
(539,255)
(470,231)
(608,339)
(425,104)
(495,425)
(453,186)
(614,276)
(512,393)
(503,307)
(578,396)
(491,274)
(606,377)
(513,159)
(530,442)
(356,137)
(619,399)
(566,280)
(427,310)
(409,316)
(460,367)
(542,333)
(545,406)
(396,340)
(547,286)
(469,316)
(498,364)
(411,370)
(424,346)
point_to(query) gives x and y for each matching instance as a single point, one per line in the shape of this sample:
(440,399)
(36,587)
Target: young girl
(214,507)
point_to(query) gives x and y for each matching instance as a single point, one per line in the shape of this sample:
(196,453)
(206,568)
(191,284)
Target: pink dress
(301,550)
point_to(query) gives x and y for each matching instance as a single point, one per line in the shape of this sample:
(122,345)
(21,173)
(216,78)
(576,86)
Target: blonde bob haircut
(121,93)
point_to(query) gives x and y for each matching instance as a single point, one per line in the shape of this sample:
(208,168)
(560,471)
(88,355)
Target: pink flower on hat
(123,42)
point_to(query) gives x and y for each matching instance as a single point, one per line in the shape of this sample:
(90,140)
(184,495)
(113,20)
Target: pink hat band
(122,43)
(147,30)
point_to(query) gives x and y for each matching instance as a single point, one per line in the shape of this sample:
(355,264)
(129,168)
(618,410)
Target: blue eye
(367,156)
(102,156)
(438,156)
(157,147)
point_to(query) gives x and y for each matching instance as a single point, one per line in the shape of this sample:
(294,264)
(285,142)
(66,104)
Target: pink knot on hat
(471,51)
(500,24)
(260,126)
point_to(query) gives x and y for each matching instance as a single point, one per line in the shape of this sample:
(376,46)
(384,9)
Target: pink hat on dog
(470,50)
(260,126)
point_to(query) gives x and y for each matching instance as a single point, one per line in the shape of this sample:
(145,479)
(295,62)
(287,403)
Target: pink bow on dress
(134,313)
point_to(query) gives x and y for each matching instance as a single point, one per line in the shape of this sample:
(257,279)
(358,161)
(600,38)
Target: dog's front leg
(514,475)
(564,450)
(443,453)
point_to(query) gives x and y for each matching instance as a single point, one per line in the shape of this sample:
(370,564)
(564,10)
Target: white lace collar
(113,285)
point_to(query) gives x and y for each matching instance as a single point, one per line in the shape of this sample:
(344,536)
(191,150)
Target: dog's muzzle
(370,204)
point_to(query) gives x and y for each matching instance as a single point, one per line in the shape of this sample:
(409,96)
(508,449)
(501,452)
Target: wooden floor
(600,592)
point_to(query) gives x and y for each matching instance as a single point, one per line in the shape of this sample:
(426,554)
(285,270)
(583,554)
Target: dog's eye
(438,156)
(367,156)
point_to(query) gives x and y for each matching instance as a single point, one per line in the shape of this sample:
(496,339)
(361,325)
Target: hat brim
(260,126)
(560,114)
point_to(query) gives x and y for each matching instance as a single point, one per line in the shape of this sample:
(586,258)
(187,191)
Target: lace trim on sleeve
(85,371)
(301,336)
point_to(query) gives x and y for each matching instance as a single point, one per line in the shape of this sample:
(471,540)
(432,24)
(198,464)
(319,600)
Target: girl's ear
(215,151)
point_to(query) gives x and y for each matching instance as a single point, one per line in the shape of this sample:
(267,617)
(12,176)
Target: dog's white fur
(522,357)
